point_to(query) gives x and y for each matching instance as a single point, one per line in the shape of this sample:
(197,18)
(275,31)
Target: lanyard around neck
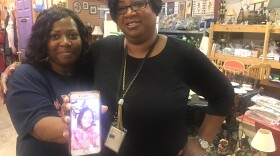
(124,66)
(122,80)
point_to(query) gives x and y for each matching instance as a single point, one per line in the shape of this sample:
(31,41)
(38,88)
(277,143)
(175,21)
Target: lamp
(263,141)
(97,32)
(231,13)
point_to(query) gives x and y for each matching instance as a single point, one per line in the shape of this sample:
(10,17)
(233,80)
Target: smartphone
(85,132)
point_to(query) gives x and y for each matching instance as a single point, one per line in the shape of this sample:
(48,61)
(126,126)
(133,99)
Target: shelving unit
(267,30)
(180,33)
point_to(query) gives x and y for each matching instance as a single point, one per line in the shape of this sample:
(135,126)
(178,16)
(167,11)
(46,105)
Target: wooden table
(246,127)
(271,89)
(241,102)
(197,110)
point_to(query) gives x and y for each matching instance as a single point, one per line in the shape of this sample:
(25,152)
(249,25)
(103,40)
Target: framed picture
(170,8)
(188,8)
(92,10)
(182,8)
(77,7)
(85,5)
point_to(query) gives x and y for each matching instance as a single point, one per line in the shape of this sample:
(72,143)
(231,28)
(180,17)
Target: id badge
(115,138)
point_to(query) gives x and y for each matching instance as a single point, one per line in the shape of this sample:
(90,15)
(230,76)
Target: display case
(195,35)
(263,33)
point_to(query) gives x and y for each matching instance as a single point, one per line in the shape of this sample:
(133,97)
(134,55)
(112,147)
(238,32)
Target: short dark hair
(37,45)
(81,114)
(113,4)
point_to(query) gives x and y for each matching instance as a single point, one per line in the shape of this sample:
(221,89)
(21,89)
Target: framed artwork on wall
(182,8)
(203,8)
(77,6)
(188,8)
(170,8)
(92,10)
(85,5)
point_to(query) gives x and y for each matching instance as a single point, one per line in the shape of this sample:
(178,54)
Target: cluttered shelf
(246,28)
(239,28)
(259,52)
(192,28)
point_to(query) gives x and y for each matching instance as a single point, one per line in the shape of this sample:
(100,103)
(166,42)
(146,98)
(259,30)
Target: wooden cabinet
(266,32)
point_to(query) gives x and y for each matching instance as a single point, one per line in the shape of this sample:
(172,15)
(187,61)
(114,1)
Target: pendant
(121,101)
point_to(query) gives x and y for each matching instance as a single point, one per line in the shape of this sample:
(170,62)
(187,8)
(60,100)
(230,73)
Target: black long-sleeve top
(154,111)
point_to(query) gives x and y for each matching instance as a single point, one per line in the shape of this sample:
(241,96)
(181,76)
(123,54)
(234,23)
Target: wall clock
(77,6)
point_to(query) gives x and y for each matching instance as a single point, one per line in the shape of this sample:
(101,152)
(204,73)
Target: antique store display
(222,12)
(231,13)
(240,17)
(274,9)
(242,53)
(254,17)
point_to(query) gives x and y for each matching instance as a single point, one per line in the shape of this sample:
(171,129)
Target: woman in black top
(153,74)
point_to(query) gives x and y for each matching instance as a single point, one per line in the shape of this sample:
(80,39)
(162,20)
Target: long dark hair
(80,117)
(37,45)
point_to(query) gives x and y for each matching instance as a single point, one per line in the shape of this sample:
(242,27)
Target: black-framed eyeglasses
(133,6)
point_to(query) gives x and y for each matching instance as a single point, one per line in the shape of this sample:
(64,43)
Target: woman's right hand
(4,79)
(65,109)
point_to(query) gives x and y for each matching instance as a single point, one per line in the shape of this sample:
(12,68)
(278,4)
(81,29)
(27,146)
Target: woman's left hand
(193,148)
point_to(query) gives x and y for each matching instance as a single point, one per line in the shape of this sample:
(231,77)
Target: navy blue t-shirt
(34,94)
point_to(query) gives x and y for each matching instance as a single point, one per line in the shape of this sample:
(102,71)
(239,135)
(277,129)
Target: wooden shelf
(274,64)
(180,32)
(267,30)
(248,60)
(239,28)
(275,29)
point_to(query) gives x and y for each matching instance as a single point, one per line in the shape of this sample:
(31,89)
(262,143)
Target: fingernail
(65,134)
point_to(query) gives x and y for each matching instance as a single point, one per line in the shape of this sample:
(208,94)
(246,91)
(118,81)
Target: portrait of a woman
(85,136)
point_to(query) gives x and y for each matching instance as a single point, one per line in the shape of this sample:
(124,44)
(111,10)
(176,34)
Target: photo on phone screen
(85,136)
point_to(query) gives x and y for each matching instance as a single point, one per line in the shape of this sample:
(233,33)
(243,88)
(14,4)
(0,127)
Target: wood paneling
(85,15)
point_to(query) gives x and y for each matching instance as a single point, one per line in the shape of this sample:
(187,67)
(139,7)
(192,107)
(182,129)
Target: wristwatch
(203,143)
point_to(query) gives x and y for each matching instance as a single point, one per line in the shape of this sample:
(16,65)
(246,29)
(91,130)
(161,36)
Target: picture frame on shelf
(92,9)
(85,5)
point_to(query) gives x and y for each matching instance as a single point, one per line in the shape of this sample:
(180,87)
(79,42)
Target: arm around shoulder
(33,112)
